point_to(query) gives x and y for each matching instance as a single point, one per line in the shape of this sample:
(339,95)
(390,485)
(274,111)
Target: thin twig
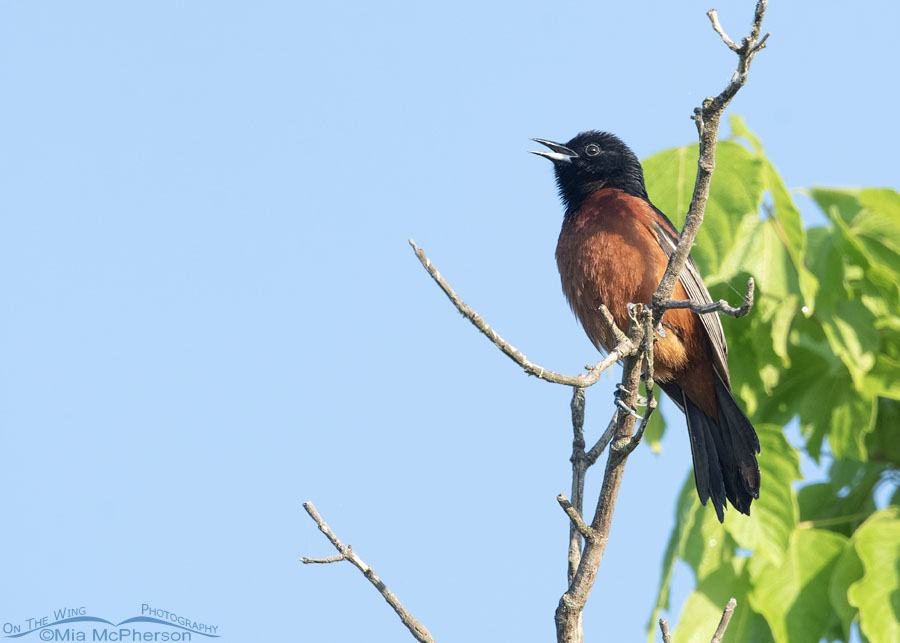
(714,18)
(614,330)
(634,349)
(580,466)
(604,440)
(583,380)
(726,617)
(720,306)
(707,119)
(575,517)
(571,604)
(664,627)
(647,378)
(323,561)
(415,627)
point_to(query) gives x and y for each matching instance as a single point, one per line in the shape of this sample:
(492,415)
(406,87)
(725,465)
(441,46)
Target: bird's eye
(592,149)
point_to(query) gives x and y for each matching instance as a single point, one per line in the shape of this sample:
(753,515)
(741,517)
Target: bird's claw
(621,391)
(630,411)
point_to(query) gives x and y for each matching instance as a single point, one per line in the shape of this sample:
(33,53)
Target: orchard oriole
(613,249)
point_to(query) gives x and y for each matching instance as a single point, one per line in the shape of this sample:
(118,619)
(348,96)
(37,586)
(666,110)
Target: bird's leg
(630,411)
(621,392)
(634,312)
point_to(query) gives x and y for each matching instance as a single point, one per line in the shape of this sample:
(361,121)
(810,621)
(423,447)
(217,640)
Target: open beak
(558,154)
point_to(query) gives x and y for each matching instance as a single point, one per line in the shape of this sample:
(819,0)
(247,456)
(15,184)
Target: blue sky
(211,313)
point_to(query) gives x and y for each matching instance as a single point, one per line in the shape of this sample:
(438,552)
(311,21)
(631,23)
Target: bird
(613,249)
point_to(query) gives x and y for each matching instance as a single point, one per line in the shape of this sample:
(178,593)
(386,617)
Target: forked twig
(633,349)
(624,347)
(720,306)
(720,630)
(346,553)
(707,119)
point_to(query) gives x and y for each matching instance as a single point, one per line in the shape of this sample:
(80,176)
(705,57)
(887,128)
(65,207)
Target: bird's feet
(621,392)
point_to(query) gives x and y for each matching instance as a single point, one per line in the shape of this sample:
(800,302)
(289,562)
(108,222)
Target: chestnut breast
(608,253)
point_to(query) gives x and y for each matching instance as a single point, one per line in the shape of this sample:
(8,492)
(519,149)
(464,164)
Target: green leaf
(827,261)
(708,546)
(850,329)
(785,216)
(879,222)
(884,378)
(703,609)
(822,343)
(848,570)
(739,129)
(686,512)
(884,201)
(845,501)
(846,202)
(698,539)
(670,176)
(767,530)
(793,597)
(861,248)
(781,326)
(811,365)
(832,408)
(812,498)
(877,593)
(657,427)
(882,442)
(760,252)
(736,190)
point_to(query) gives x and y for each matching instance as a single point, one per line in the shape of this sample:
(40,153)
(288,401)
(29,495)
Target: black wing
(696,291)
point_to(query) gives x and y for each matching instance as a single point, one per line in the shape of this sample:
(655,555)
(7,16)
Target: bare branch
(720,631)
(580,464)
(623,348)
(664,627)
(634,350)
(574,516)
(323,561)
(616,332)
(714,18)
(726,617)
(720,306)
(571,604)
(647,378)
(346,553)
(762,43)
(707,119)
(605,439)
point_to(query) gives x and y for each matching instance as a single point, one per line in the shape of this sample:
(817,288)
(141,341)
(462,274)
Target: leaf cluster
(821,349)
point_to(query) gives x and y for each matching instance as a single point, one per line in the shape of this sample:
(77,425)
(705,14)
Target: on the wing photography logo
(77,624)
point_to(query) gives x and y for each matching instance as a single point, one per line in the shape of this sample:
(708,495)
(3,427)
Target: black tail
(724,452)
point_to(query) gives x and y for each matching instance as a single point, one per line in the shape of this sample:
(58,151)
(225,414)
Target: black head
(592,161)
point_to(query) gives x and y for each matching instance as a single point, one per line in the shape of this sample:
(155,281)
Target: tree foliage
(821,348)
